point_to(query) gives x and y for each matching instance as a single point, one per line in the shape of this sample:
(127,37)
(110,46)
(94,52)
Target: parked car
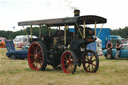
(123,52)
(13,53)
(2,42)
(22,40)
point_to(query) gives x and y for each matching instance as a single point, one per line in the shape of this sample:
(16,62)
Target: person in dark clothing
(109,46)
(118,48)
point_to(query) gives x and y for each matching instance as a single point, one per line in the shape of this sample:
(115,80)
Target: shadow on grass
(53,70)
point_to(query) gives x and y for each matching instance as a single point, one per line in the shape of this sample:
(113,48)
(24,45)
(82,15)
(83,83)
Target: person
(109,46)
(118,48)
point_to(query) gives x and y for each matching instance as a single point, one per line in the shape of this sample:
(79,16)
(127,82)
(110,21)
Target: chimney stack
(76,12)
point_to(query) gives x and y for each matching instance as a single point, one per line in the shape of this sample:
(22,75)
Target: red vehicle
(2,42)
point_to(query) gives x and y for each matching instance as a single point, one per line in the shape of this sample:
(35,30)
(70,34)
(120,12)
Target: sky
(14,11)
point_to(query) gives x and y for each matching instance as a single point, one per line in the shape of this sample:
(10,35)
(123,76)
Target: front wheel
(68,61)
(90,61)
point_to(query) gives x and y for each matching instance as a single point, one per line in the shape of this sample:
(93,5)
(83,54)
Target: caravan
(22,40)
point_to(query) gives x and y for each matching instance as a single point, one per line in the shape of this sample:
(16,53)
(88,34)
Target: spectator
(118,47)
(109,46)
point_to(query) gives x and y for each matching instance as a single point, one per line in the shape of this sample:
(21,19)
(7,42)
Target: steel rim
(90,62)
(67,62)
(35,56)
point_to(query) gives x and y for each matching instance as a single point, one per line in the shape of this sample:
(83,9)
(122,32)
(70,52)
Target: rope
(100,30)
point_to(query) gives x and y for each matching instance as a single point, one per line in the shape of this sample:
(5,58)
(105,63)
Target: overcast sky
(13,11)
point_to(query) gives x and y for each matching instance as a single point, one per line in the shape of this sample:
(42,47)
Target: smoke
(70,4)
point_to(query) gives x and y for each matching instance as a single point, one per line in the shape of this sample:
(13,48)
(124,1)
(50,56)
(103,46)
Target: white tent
(99,47)
(96,46)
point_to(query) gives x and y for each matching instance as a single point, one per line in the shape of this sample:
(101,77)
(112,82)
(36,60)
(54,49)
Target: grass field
(17,72)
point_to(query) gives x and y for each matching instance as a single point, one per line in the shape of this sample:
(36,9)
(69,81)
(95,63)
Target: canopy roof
(89,19)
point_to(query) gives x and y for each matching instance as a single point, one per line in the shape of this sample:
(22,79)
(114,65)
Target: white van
(22,40)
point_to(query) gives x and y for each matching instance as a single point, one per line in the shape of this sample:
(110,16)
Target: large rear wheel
(37,56)
(90,61)
(68,62)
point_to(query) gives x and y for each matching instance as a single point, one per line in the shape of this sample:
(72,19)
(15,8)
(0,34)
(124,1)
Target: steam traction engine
(64,48)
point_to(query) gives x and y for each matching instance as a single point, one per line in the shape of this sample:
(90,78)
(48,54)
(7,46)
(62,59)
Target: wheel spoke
(93,60)
(89,67)
(36,50)
(93,64)
(92,67)
(39,58)
(36,64)
(38,54)
(86,61)
(33,49)
(66,57)
(32,60)
(91,57)
(65,64)
(67,68)
(70,57)
(32,63)
(87,57)
(31,55)
(70,62)
(39,61)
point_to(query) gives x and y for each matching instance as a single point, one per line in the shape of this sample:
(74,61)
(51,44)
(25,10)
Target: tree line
(27,31)
(123,32)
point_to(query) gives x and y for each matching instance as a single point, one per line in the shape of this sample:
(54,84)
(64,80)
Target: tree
(35,31)
(123,32)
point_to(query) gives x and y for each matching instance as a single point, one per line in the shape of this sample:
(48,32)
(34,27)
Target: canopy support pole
(31,31)
(49,32)
(25,30)
(100,30)
(95,29)
(40,31)
(59,28)
(84,30)
(65,34)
